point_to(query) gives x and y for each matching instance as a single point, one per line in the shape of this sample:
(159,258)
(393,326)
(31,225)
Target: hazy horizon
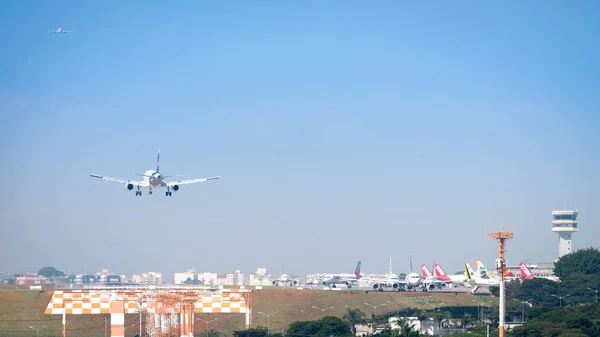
(342,131)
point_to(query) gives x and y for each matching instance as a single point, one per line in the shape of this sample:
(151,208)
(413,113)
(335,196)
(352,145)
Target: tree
(354,317)
(466,320)
(50,272)
(325,327)
(254,332)
(584,261)
(422,316)
(406,329)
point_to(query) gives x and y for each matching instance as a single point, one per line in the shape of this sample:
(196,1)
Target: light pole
(140,311)
(268,320)
(560,298)
(375,307)
(323,310)
(207,321)
(523,308)
(37,331)
(596,291)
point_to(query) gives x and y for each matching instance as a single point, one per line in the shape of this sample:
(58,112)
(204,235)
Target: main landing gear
(138,192)
(150,192)
(168,193)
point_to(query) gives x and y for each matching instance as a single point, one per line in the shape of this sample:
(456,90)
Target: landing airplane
(154,179)
(61,31)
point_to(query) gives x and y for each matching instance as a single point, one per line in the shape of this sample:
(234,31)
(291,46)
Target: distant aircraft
(412,281)
(348,279)
(154,179)
(61,31)
(440,274)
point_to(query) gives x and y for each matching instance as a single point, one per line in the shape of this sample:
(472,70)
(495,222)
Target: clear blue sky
(343,130)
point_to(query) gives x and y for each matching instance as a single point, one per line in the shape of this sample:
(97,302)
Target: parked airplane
(154,179)
(485,273)
(349,280)
(61,31)
(412,281)
(440,274)
(525,272)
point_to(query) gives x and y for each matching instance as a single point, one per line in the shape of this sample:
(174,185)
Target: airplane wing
(190,181)
(133,182)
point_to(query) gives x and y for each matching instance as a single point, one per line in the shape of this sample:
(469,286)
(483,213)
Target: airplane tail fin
(471,273)
(439,273)
(525,272)
(425,271)
(509,273)
(467,272)
(357,270)
(482,270)
(158,162)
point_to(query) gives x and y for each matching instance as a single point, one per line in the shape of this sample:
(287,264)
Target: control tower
(564,223)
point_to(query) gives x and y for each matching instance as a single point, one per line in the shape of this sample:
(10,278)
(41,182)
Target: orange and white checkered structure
(159,304)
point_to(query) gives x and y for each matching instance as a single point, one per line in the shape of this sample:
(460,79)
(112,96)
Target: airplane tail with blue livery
(154,179)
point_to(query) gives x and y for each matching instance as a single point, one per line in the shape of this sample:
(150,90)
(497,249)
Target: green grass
(20,308)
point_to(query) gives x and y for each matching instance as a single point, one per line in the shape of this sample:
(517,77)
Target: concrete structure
(147,278)
(168,310)
(565,224)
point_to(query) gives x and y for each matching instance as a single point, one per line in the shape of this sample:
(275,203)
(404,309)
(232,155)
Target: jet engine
(175,188)
(375,286)
(274,283)
(431,286)
(395,286)
(129,186)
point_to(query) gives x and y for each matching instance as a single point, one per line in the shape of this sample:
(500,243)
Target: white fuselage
(413,280)
(154,179)
(456,279)
(347,279)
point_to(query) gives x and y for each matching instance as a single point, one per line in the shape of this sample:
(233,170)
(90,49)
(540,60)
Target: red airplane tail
(357,270)
(525,272)
(425,271)
(439,273)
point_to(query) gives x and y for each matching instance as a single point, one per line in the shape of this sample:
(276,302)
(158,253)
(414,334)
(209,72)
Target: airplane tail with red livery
(357,271)
(525,272)
(425,271)
(440,274)
(509,273)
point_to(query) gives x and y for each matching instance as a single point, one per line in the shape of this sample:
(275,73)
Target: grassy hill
(21,308)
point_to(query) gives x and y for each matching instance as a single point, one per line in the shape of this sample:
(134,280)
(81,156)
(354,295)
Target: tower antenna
(502,236)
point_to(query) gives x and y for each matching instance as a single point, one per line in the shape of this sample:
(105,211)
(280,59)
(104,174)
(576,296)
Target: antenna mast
(501,237)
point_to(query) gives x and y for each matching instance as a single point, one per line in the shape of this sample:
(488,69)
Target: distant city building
(181,278)
(259,278)
(30,278)
(147,278)
(209,279)
(564,224)
(235,278)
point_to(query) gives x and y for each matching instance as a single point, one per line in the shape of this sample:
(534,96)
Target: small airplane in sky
(154,179)
(61,31)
